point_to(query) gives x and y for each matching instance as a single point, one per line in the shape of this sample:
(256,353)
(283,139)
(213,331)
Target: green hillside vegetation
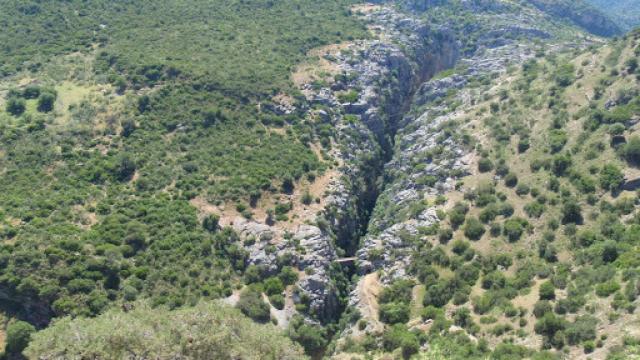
(145,332)
(544,240)
(115,114)
(626,12)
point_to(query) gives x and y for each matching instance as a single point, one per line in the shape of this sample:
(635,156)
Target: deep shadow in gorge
(426,65)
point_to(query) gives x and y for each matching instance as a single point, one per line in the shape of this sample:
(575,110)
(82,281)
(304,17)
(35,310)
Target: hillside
(625,12)
(438,179)
(531,242)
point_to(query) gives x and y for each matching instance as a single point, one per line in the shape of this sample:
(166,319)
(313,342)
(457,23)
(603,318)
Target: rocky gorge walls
(395,144)
(383,76)
(434,150)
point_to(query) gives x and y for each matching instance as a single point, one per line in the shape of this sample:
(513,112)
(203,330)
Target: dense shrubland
(114,115)
(206,331)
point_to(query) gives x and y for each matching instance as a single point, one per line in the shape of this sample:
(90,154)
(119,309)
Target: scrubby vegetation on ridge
(206,331)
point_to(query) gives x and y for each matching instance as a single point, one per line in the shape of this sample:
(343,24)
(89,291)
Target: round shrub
(485,165)
(16,107)
(547,291)
(473,229)
(18,336)
(511,180)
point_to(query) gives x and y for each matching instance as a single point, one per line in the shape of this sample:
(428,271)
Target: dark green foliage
(273,286)
(581,330)
(485,165)
(398,336)
(15,106)
(31,92)
(511,180)
(561,164)
(445,235)
(394,313)
(607,288)
(438,294)
(632,150)
(541,308)
(288,276)
(252,305)
(571,212)
(611,178)
(399,291)
(457,215)
(565,75)
(46,101)
(534,209)
(547,291)
(18,336)
(473,229)
(514,228)
(312,337)
(210,222)
(549,324)
(160,333)
(557,140)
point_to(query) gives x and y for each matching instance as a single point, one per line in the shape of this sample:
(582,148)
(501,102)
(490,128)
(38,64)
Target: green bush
(445,235)
(277,301)
(252,305)
(581,330)
(511,180)
(611,178)
(561,163)
(547,291)
(549,324)
(514,228)
(394,313)
(46,102)
(571,212)
(607,288)
(312,337)
(210,222)
(398,336)
(473,229)
(557,140)
(18,337)
(485,165)
(273,286)
(398,291)
(15,106)
(632,150)
(565,75)
(534,209)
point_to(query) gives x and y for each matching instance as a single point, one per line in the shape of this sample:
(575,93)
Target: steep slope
(580,13)
(510,219)
(626,12)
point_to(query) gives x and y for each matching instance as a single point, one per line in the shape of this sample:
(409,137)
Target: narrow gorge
(397,146)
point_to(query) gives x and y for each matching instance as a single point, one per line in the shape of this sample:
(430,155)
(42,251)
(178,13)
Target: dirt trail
(368,289)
